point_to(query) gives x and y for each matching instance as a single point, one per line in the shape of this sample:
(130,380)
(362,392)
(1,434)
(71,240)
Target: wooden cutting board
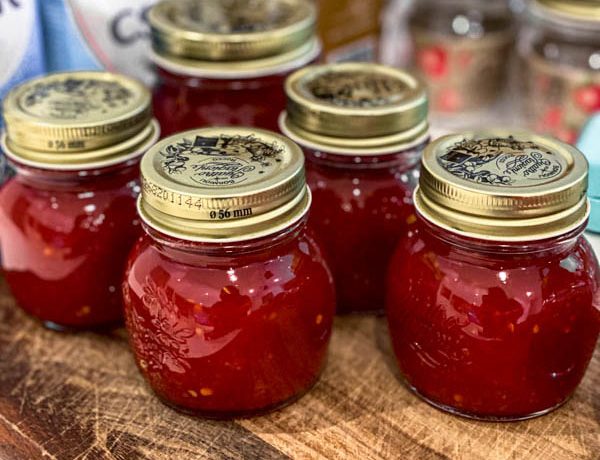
(80,397)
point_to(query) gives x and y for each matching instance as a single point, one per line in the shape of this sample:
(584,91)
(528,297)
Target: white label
(118,34)
(16,25)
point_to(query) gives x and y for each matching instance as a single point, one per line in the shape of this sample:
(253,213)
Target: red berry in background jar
(449,100)
(552,119)
(566,134)
(465,59)
(433,61)
(588,98)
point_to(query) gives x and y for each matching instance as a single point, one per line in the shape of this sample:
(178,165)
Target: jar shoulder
(65,210)
(549,270)
(278,268)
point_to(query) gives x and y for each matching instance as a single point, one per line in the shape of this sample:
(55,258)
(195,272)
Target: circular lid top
(230,30)
(583,10)
(218,184)
(76,112)
(355,105)
(503,186)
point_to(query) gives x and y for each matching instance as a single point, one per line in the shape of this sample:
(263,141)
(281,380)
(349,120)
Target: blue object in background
(66,48)
(589,144)
(98,34)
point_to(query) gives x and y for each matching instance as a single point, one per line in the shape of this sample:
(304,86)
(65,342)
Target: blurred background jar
(560,52)
(462,50)
(224,62)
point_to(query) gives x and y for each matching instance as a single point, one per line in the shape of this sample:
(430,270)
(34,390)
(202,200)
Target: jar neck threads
(186,250)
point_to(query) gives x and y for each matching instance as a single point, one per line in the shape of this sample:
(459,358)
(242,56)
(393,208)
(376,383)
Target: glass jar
(224,62)
(462,49)
(68,217)
(362,127)
(229,303)
(493,297)
(560,51)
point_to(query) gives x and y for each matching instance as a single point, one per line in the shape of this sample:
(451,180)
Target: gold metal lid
(244,33)
(223,184)
(581,10)
(355,106)
(503,186)
(75,113)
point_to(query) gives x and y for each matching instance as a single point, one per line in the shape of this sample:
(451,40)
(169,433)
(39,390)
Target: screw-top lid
(77,118)
(220,35)
(223,184)
(503,186)
(587,11)
(589,144)
(355,107)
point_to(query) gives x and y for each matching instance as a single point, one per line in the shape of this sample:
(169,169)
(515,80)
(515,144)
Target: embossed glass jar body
(229,302)
(361,207)
(224,330)
(65,237)
(493,297)
(560,55)
(490,330)
(462,49)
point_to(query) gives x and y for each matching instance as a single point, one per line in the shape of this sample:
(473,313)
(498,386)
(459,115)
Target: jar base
(351,312)
(106,327)
(484,418)
(230,415)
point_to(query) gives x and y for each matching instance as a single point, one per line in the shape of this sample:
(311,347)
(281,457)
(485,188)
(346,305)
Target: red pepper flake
(83,311)
(458,398)
(192,393)
(206,391)
(48,251)
(536,329)
(511,327)
(411,219)
(319,319)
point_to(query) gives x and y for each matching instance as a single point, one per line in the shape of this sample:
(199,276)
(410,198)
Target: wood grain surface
(80,397)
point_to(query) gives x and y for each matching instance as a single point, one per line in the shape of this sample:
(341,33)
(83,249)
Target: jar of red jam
(493,297)
(560,50)
(229,304)
(223,62)
(362,127)
(68,217)
(462,49)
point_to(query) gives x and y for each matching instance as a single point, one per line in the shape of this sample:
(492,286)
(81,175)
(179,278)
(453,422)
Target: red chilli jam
(229,304)
(362,127)
(68,217)
(493,298)
(223,62)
